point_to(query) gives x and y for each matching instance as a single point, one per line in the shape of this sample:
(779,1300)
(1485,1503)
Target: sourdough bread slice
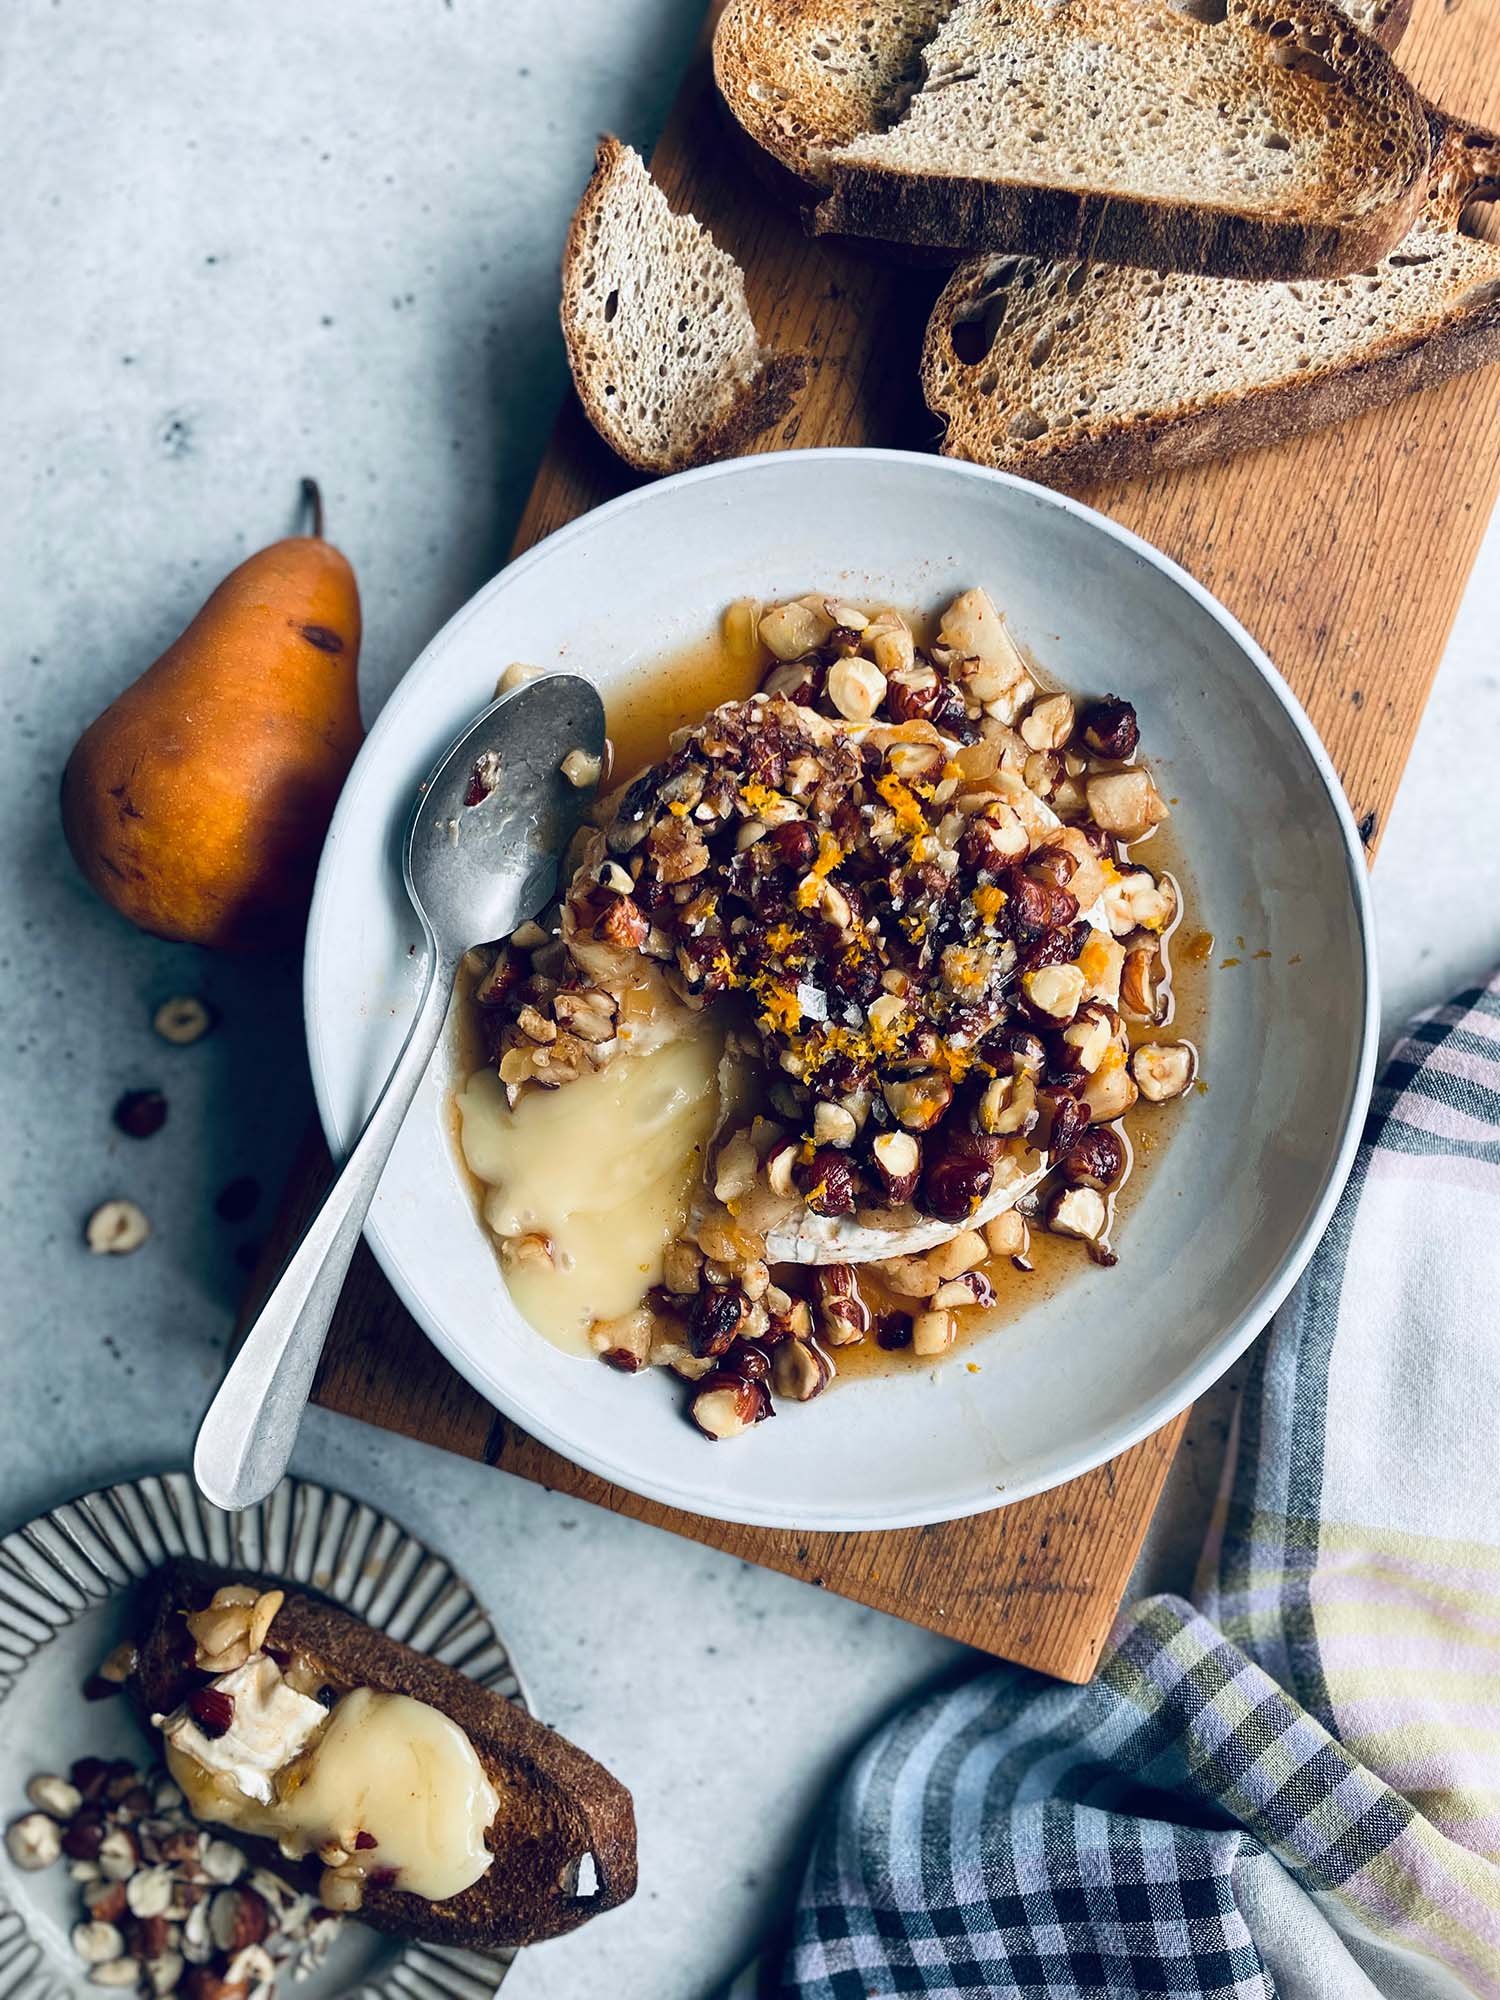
(664,353)
(1242,139)
(1070,373)
(563,1838)
(805,77)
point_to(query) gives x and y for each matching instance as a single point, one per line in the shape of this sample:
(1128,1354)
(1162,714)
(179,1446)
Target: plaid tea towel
(1292,1789)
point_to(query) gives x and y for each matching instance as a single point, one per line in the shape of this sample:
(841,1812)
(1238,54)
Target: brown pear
(198,801)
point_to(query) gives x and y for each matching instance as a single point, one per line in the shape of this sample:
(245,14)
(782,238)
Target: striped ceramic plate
(65,1581)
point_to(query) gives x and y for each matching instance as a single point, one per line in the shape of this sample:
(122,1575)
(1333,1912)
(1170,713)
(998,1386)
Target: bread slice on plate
(664,353)
(1070,373)
(805,77)
(1230,136)
(275,1703)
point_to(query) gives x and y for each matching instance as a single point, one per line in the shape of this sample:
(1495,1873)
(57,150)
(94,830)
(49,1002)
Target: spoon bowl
(492,823)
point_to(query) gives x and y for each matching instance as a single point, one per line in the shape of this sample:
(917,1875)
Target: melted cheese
(605,1167)
(386,1766)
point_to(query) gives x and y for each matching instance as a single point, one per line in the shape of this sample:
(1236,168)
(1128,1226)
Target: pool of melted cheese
(605,1168)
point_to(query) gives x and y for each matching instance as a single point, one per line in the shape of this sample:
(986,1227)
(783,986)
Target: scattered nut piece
(790,630)
(727,1406)
(119,1857)
(116,1667)
(800,1370)
(961,1253)
(116,1228)
(222,1862)
(933,1332)
(116,1972)
(1137,900)
(581,770)
(140,1114)
(833,1125)
(96,1943)
(898,1161)
(1049,723)
(148,1893)
(516,675)
(1055,990)
(856,687)
(56,1796)
(1078,1211)
(1007,1234)
(33,1841)
(1164,1070)
(266,1607)
(1140,997)
(843,1316)
(1125,803)
(972,1289)
(182,1020)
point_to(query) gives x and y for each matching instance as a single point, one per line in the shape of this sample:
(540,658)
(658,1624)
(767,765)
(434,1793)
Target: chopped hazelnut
(973,1288)
(800,1370)
(516,675)
(833,1126)
(182,1020)
(918,1102)
(96,1943)
(1163,1070)
(56,1796)
(933,1332)
(856,687)
(1049,723)
(1110,1091)
(790,630)
(1078,1211)
(1110,728)
(34,1841)
(898,1160)
(843,1316)
(1007,1234)
(1136,900)
(581,769)
(1055,990)
(116,1228)
(1125,803)
(1140,997)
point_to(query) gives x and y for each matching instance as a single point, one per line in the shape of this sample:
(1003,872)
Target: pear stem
(312,499)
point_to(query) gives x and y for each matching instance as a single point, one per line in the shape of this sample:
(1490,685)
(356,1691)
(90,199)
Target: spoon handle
(246,1439)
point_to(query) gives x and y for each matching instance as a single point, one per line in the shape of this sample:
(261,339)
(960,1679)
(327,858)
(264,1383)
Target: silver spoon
(480,855)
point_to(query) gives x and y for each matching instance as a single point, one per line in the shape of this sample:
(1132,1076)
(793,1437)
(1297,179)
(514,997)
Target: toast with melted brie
(399,1789)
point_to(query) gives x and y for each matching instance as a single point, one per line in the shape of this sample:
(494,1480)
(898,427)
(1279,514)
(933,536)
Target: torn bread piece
(1069,372)
(665,356)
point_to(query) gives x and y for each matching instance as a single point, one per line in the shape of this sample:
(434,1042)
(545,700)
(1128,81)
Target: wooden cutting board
(1345,554)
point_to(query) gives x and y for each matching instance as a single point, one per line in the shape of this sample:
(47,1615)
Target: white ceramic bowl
(1251,1171)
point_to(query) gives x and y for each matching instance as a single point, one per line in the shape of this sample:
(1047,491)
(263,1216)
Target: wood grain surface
(1344,553)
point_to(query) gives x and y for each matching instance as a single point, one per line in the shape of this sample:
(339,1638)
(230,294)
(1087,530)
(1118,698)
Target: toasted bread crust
(557,1803)
(1432,347)
(940,210)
